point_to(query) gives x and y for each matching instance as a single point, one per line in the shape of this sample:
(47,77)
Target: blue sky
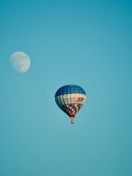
(86,43)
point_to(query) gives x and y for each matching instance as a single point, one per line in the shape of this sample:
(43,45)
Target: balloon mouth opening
(72,115)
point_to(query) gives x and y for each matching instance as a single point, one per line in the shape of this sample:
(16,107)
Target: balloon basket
(72,121)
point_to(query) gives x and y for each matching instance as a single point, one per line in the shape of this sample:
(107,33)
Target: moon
(20,61)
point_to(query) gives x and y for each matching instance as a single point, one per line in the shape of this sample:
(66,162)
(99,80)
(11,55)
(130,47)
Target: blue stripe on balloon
(70,89)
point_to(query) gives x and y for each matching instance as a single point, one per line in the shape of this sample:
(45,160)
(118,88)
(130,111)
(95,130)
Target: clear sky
(83,42)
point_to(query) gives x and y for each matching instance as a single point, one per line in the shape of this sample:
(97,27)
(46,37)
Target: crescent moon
(20,61)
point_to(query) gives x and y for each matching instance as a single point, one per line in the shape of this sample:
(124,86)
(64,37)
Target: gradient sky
(83,42)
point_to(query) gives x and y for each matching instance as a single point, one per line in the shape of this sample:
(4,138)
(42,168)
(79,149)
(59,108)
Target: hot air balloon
(70,99)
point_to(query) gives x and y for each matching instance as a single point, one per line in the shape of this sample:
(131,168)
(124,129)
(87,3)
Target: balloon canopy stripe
(70,99)
(70,89)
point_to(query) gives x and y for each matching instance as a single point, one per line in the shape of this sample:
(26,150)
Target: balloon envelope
(70,99)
